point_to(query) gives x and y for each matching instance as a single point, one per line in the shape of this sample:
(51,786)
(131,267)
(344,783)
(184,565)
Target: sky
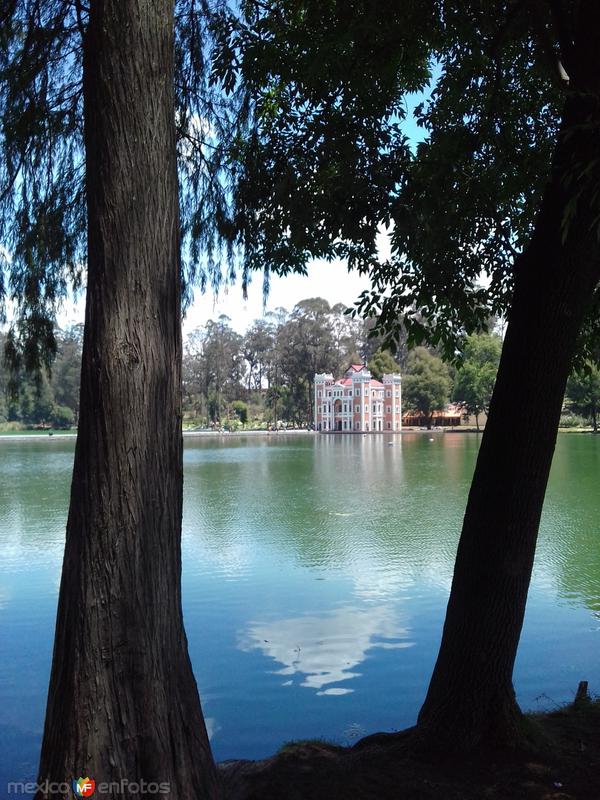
(330,280)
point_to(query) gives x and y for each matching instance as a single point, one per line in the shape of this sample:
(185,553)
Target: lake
(316,570)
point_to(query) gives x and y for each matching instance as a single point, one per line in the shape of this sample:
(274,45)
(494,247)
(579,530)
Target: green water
(316,572)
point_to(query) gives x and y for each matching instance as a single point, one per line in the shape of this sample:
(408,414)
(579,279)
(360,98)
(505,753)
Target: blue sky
(330,280)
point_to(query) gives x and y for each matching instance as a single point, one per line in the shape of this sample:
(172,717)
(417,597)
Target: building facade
(357,403)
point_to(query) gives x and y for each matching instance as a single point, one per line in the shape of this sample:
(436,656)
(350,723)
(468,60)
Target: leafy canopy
(426,386)
(583,392)
(383,362)
(327,163)
(325,151)
(476,375)
(291,146)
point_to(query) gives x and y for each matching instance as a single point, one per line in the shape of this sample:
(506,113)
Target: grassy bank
(565,765)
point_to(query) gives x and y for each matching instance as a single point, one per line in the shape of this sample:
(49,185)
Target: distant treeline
(229,379)
(264,377)
(44,400)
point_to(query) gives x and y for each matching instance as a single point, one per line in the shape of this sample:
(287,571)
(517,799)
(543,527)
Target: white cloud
(332,281)
(212,727)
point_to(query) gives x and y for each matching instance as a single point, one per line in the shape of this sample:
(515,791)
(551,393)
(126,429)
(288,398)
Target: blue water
(316,573)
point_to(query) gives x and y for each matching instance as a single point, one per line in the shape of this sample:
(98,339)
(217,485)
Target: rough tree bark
(123,702)
(471,701)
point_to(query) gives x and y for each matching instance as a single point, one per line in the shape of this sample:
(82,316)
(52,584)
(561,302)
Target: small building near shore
(450,417)
(358,403)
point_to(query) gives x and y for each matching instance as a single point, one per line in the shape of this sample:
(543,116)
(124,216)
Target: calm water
(316,572)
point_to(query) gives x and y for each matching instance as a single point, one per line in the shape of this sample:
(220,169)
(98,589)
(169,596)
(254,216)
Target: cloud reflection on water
(325,649)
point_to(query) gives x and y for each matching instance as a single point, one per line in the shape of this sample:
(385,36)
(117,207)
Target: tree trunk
(123,703)
(471,700)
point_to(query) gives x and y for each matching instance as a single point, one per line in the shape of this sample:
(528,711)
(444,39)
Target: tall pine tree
(104,107)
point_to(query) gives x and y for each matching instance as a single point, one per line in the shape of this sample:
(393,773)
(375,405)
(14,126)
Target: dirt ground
(565,767)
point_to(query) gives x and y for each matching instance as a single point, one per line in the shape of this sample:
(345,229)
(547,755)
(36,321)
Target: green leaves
(292,122)
(42,204)
(43,221)
(426,385)
(328,163)
(583,392)
(476,376)
(317,170)
(467,205)
(382,363)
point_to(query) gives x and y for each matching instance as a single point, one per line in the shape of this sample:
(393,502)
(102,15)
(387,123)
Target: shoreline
(192,434)
(25,437)
(560,751)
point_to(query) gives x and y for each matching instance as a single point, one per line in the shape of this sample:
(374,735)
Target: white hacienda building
(357,402)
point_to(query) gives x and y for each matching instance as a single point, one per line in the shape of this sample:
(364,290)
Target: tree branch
(560,21)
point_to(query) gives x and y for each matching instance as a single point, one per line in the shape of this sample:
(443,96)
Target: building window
(388,409)
(356,426)
(319,394)
(388,393)
(389,426)
(357,409)
(357,392)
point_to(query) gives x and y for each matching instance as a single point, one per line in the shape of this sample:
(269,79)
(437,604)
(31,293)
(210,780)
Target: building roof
(348,382)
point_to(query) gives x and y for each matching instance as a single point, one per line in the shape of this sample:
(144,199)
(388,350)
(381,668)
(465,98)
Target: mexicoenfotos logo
(84,787)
